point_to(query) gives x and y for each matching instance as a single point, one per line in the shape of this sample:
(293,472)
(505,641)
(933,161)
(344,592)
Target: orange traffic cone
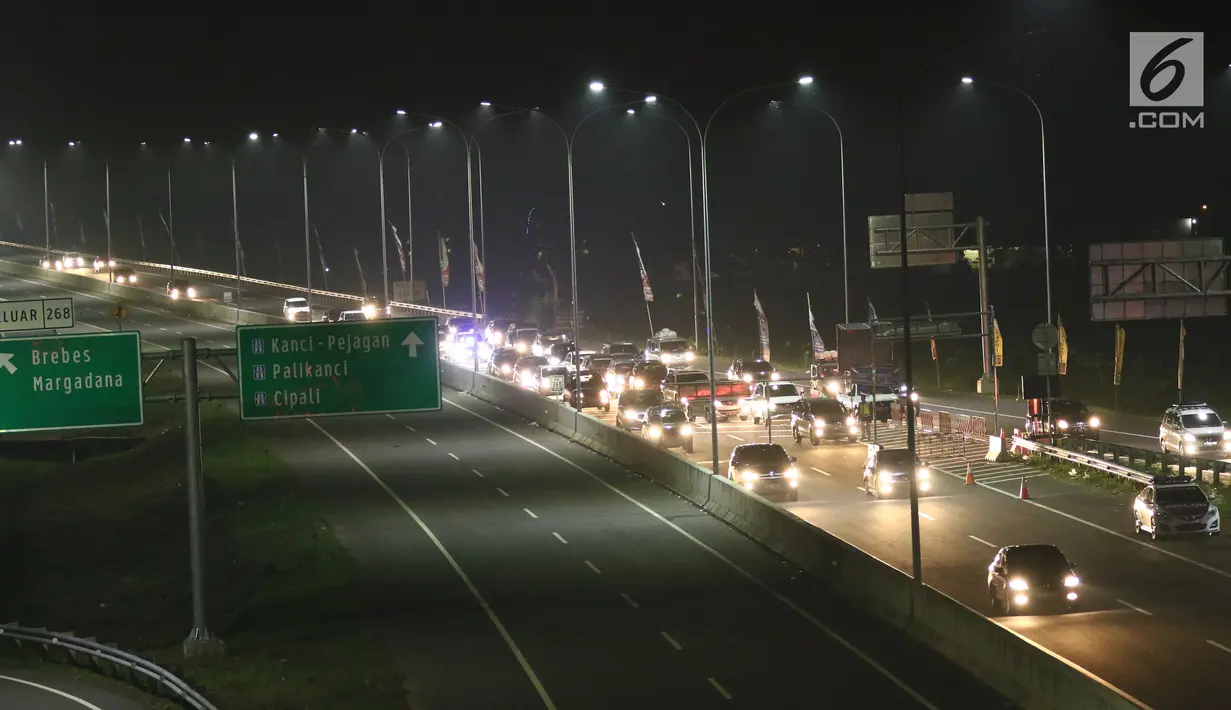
(1024,494)
(970,475)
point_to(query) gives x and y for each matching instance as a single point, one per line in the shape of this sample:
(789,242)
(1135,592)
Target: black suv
(819,419)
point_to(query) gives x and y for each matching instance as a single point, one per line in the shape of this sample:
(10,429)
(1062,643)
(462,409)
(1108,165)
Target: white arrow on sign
(412,343)
(6,361)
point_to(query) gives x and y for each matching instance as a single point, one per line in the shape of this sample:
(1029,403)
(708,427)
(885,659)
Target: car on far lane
(770,400)
(633,407)
(181,288)
(526,370)
(765,469)
(668,427)
(1193,429)
(648,375)
(70,261)
(822,418)
(1029,577)
(582,390)
(295,308)
(618,375)
(351,315)
(753,371)
(502,363)
(886,473)
(125,275)
(101,264)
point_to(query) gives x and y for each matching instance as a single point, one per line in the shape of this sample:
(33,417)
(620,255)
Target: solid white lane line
(83,703)
(721,690)
(454,456)
(823,473)
(431,442)
(409,427)
(530,513)
(1135,608)
(980,540)
(474,591)
(630,601)
(674,644)
(503,492)
(782,599)
(390,416)
(475,471)
(560,538)
(594,569)
(735,437)
(926,516)
(1218,646)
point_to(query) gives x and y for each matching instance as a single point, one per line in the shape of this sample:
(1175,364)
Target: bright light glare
(353,131)
(485,103)
(253,136)
(275,135)
(596,86)
(651,99)
(72,143)
(436,124)
(630,112)
(401,112)
(805,80)
(187,140)
(967,80)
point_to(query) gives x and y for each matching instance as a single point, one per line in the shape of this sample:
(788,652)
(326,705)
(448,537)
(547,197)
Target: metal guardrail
(1219,470)
(1098,464)
(219,276)
(109,660)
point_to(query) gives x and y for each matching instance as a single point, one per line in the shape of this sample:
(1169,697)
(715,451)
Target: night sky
(888,75)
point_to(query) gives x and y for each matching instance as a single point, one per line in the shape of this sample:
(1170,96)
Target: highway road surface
(518,570)
(44,689)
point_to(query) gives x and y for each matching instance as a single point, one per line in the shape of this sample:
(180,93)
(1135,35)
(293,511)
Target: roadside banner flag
(1062,345)
(763,326)
(444,263)
(818,344)
(645,278)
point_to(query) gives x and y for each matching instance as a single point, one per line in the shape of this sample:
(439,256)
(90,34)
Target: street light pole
(384,246)
(307,249)
(478,150)
(410,228)
(107,181)
(235,231)
(1043,150)
(46,215)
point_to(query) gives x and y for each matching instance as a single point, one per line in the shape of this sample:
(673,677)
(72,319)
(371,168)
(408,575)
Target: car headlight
(749,475)
(820,425)
(1071,581)
(1094,422)
(690,356)
(686,430)
(1062,424)
(80,261)
(1188,437)
(369,311)
(553,361)
(914,396)
(884,476)
(506,369)
(111,263)
(1226,436)
(521,347)
(747,378)
(924,474)
(132,279)
(604,396)
(850,421)
(639,383)
(1018,585)
(632,413)
(192,293)
(175,293)
(832,387)
(654,432)
(59,265)
(791,472)
(774,375)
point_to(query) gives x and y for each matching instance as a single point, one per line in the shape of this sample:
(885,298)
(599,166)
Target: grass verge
(100,549)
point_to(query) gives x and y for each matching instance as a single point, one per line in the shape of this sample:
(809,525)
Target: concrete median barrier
(137,295)
(1026,673)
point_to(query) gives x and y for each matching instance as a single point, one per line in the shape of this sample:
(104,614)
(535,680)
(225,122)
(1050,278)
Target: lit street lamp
(1043,149)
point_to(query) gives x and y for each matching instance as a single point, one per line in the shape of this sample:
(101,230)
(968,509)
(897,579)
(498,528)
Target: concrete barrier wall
(136,295)
(1023,671)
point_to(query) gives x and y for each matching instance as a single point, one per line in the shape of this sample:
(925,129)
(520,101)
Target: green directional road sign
(71,382)
(326,369)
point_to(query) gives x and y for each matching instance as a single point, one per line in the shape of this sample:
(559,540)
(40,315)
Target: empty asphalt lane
(602,589)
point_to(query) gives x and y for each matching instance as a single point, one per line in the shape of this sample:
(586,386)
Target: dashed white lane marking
(823,473)
(503,492)
(1134,607)
(475,471)
(389,416)
(474,591)
(674,644)
(721,690)
(594,569)
(1218,646)
(560,538)
(431,442)
(409,427)
(630,601)
(980,540)
(926,516)
(735,437)
(53,691)
(454,456)
(530,513)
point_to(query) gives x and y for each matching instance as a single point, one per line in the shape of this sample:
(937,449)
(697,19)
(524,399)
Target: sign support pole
(199,642)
